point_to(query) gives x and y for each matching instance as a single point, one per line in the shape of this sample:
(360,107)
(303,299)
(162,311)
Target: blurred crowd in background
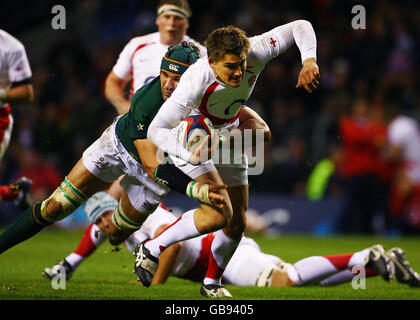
(361,71)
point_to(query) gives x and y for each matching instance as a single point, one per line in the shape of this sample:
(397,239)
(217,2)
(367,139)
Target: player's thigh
(130,211)
(247,265)
(81,178)
(104,159)
(125,220)
(214,177)
(115,190)
(138,200)
(210,211)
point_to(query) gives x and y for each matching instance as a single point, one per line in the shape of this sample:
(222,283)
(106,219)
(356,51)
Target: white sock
(222,250)
(319,267)
(134,240)
(358,258)
(74,260)
(182,229)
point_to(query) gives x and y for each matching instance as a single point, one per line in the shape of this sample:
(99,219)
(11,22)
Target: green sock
(23,228)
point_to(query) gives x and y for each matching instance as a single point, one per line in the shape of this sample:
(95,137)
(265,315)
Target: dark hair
(183,4)
(185,44)
(226,40)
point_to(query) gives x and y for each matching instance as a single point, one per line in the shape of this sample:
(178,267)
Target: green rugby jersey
(134,124)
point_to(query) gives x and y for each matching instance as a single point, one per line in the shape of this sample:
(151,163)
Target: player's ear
(211,61)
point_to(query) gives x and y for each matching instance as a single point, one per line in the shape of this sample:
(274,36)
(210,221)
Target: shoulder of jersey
(148,38)
(197,69)
(9,42)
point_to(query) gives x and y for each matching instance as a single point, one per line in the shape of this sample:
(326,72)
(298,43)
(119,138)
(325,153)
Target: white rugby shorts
(247,263)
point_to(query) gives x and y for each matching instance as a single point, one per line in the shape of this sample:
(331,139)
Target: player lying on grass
(249,265)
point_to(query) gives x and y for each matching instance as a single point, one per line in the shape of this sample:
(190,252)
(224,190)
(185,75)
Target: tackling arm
(169,175)
(159,132)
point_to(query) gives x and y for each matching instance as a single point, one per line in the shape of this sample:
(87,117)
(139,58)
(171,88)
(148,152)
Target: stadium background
(70,110)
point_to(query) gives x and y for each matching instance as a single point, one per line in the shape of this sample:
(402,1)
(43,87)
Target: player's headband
(173,9)
(180,58)
(99,203)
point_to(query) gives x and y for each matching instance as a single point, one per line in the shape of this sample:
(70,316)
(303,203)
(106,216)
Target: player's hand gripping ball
(192,130)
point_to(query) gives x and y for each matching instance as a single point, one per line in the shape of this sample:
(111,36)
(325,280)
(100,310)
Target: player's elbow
(26,94)
(30,94)
(267,134)
(303,22)
(302,26)
(109,83)
(113,83)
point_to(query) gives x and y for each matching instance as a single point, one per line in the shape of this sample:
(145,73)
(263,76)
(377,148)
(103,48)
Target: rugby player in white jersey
(140,59)
(217,87)
(15,88)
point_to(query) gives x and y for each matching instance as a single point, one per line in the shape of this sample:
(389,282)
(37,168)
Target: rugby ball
(192,130)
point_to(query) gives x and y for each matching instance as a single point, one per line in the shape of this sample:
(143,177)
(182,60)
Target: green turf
(107,274)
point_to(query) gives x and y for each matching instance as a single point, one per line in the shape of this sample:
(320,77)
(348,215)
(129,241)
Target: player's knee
(213,220)
(237,224)
(53,210)
(64,201)
(121,222)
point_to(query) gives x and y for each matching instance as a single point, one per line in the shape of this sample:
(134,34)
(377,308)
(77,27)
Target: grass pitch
(108,275)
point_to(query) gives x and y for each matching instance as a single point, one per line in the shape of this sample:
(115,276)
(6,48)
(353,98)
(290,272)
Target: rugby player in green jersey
(123,149)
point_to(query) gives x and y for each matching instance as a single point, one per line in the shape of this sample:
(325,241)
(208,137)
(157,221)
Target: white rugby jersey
(200,91)
(141,58)
(14,64)
(404,132)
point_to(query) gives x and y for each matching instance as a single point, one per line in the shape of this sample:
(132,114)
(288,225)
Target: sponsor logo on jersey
(100,163)
(173,67)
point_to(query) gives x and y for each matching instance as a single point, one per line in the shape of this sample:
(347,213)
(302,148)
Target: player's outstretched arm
(279,39)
